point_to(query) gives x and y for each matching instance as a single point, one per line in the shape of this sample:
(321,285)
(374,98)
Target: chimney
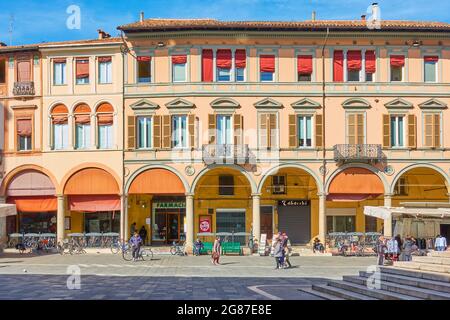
(103,35)
(363,17)
(313,16)
(142,16)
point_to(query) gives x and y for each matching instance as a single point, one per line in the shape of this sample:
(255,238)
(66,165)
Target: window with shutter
(166,128)
(412,131)
(293,141)
(212,128)
(191,125)
(432,130)
(238,129)
(355,128)
(437,131)
(319,131)
(386,131)
(263,137)
(157,132)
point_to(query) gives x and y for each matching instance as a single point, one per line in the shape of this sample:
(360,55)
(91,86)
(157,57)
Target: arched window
(60,128)
(82,114)
(105,126)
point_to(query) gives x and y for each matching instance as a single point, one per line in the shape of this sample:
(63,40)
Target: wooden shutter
(412,131)
(272,127)
(386,131)
(166,132)
(191,128)
(360,128)
(131,132)
(212,128)
(428,130)
(351,128)
(293,138)
(238,129)
(263,136)
(157,132)
(319,132)
(436,130)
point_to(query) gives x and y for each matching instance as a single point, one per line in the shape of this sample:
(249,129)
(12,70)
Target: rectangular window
(105,136)
(397,66)
(179,72)
(354,65)
(24,134)
(179,132)
(355,128)
(341,224)
(267,68)
(82,136)
(82,71)
(430,72)
(226,185)
(105,70)
(401,188)
(23,71)
(371,224)
(144,132)
(397,131)
(240,74)
(304,68)
(60,136)
(144,69)
(224,130)
(304,131)
(59,72)
(432,130)
(338,66)
(240,63)
(278,184)
(207,65)
(232,222)
(371,65)
(224,64)
(223,74)
(2,71)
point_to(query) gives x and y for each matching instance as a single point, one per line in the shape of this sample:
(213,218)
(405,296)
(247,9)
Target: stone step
(422,266)
(319,294)
(439,254)
(362,289)
(429,275)
(432,260)
(402,290)
(340,293)
(409,281)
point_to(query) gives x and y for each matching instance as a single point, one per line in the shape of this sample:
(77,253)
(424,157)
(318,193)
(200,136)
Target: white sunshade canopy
(7,210)
(387,213)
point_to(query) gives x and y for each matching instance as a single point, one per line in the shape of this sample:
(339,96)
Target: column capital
(254,195)
(388,195)
(322,194)
(60,196)
(189,194)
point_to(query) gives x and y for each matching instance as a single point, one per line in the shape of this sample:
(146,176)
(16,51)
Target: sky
(35,21)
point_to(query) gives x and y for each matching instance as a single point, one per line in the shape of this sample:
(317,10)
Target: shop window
(37,222)
(101,222)
(144,69)
(231,222)
(2,71)
(371,224)
(105,70)
(341,224)
(144,132)
(278,184)
(226,185)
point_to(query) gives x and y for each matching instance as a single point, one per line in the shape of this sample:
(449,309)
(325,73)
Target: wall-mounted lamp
(417,43)
(161,44)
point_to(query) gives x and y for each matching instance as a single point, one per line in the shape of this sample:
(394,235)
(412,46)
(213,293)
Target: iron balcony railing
(358,153)
(24,88)
(225,154)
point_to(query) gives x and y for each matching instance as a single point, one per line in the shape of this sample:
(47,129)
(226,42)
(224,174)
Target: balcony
(366,153)
(24,88)
(225,154)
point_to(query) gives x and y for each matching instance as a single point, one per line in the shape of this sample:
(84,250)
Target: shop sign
(205,224)
(170,205)
(294,203)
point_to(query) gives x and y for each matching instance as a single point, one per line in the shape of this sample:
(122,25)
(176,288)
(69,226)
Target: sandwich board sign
(262,244)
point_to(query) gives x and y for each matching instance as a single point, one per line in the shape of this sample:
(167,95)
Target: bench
(207,248)
(231,247)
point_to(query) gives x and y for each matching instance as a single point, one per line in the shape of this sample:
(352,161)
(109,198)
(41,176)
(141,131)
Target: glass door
(224,135)
(173,222)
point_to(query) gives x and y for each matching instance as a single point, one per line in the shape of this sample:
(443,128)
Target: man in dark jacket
(136,242)
(143,234)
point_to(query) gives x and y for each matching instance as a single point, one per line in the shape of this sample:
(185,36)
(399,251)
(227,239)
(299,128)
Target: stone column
(189,222)
(388,222)
(256,216)
(322,216)
(123,208)
(125,226)
(60,216)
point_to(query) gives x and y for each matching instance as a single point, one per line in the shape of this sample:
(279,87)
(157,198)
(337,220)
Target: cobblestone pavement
(107,276)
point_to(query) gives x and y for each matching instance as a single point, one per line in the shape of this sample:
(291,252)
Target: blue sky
(45,20)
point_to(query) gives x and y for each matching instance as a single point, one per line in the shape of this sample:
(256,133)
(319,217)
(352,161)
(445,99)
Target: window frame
(110,63)
(398,52)
(441,122)
(223,187)
(86,138)
(404,133)
(436,70)
(64,142)
(185,72)
(3,64)
(225,133)
(64,73)
(356,112)
(268,52)
(180,132)
(137,69)
(75,72)
(149,144)
(305,115)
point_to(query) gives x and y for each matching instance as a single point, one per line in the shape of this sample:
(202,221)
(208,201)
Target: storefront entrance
(267,221)
(294,218)
(102,222)
(445,231)
(169,220)
(37,222)
(231,222)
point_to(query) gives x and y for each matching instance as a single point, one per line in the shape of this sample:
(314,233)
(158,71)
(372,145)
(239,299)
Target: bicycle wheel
(115,248)
(173,250)
(127,254)
(147,254)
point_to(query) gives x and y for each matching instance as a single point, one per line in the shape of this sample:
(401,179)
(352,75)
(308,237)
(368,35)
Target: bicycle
(177,249)
(144,254)
(118,246)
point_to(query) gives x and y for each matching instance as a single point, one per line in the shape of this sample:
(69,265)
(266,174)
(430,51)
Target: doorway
(267,221)
(445,231)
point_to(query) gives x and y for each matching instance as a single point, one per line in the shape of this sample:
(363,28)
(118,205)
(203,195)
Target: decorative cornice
(144,104)
(433,104)
(268,103)
(180,103)
(399,103)
(225,103)
(306,104)
(356,103)
(24,107)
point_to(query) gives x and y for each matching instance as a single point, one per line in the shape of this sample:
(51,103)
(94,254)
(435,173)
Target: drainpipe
(124,201)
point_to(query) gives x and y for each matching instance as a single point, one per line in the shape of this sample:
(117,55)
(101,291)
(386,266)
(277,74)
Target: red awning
(371,59)
(223,59)
(267,63)
(397,61)
(338,66)
(207,65)
(94,203)
(144,59)
(180,59)
(304,65)
(34,204)
(431,59)
(354,60)
(240,58)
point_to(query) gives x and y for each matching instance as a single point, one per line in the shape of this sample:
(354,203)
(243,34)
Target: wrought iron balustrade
(24,88)
(225,154)
(358,153)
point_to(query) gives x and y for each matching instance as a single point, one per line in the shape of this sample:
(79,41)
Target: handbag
(215,255)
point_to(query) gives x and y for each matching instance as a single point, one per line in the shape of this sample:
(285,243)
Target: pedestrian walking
(381,250)
(287,250)
(392,249)
(143,234)
(136,242)
(216,251)
(440,243)
(278,253)
(398,238)
(408,248)
(198,246)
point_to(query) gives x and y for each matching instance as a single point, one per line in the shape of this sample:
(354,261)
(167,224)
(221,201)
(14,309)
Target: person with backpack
(278,253)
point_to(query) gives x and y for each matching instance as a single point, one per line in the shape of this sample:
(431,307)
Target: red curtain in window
(431,59)
(24,127)
(82,119)
(142,59)
(304,65)
(397,61)
(267,63)
(338,66)
(59,60)
(223,59)
(104,59)
(354,60)
(180,59)
(82,68)
(371,65)
(207,65)
(240,58)
(105,119)
(60,119)
(23,71)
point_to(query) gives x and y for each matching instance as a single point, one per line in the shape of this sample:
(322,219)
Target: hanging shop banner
(205,224)
(170,205)
(294,203)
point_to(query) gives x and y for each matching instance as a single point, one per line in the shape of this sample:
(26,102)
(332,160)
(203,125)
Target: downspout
(124,50)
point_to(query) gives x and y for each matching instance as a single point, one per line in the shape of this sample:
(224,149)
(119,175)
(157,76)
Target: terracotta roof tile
(212,24)
(37,46)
